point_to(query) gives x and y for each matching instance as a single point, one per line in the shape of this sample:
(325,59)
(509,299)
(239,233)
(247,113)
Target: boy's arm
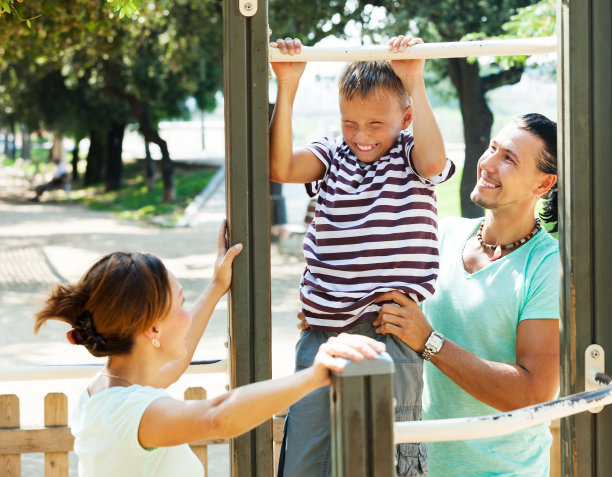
(428,154)
(287,165)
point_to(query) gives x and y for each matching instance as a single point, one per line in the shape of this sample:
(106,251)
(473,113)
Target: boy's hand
(286,71)
(405,68)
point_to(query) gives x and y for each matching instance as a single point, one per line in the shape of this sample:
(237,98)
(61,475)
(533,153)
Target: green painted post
(245,57)
(585,142)
(361,414)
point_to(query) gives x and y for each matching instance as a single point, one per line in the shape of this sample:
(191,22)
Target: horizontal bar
(81,371)
(500,424)
(46,439)
(457,49)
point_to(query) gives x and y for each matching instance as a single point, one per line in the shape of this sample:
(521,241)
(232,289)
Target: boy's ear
(407,117)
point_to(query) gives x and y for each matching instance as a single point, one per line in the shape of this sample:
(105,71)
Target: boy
(375,229)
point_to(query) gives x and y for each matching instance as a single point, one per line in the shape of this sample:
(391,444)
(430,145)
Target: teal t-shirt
(481,312)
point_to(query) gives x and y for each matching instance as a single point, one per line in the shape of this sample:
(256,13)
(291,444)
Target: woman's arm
(204,307)
(532,379)
(168,422)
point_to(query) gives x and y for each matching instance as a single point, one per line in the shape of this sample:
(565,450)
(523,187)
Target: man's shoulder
(455,225)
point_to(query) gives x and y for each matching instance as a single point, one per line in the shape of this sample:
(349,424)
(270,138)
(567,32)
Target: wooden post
(201,451)
(245,61)
(56,415)
(585,171)
(10,464)
(361,413)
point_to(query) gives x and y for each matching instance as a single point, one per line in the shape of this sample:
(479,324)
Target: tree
(151,62)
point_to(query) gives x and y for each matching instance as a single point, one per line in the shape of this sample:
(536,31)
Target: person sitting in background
(129,308)
(58,181)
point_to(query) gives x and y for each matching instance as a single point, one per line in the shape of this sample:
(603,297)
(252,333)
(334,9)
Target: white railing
(500,424)
(458,49)
(82,371)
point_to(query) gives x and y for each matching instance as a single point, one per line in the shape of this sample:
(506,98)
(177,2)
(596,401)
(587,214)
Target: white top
(105,427)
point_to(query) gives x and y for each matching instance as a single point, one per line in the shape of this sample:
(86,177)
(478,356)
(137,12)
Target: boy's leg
(306,447)
(407,390)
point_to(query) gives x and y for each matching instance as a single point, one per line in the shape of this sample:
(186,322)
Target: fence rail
(81,371)
(457,49)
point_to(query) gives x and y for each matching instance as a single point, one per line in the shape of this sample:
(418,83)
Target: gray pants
(306,448)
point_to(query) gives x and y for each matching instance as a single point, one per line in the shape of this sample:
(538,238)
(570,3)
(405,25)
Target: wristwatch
(433,345)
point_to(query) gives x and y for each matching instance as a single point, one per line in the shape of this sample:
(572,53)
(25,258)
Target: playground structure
(585,116)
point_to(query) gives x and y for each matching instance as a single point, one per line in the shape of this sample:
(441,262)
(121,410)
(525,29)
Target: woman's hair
(546,130)
(360,79)
(120,296)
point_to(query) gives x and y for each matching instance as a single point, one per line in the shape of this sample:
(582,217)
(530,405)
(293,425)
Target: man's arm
(532,379)
(428,154)
(286,165)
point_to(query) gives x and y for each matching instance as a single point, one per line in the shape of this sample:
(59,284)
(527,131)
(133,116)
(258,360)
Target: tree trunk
(75,159)
(477,124)
(26,148)
(150,169)
(57,150)
(113,172)
(95,158)
(150,133)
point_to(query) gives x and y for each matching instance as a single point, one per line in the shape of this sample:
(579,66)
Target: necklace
(116,377)
(498,248)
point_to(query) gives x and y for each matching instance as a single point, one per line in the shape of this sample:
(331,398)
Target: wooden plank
(381,446)
(10,461)
(199,449)
(24,441)
(56,415)
(247,189)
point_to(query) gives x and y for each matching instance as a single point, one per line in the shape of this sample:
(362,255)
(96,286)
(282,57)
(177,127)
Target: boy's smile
(371,126)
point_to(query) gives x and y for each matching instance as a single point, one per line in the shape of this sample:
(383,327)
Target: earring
(156,343)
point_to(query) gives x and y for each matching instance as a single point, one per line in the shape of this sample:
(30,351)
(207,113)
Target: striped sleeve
(324,149)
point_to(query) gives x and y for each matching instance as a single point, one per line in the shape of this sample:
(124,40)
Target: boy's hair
(360,79)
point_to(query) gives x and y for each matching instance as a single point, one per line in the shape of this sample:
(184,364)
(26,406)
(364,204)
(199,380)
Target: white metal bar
(500,424)
(457,49)
(81,371)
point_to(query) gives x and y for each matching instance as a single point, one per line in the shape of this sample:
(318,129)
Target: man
(495,311)
(58,181)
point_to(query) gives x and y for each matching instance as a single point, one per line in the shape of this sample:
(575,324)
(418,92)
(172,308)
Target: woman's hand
(222,275)
(404,319)
(302,323)
(287,71)
(353,347)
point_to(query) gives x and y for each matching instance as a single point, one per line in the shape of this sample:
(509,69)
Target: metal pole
(459,49)
(361,414)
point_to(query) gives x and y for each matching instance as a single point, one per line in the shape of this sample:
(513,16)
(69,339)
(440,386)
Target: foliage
(135,202)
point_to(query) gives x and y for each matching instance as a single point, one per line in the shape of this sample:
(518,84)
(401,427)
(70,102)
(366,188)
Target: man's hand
(288,71)
(405,68)
(404,319)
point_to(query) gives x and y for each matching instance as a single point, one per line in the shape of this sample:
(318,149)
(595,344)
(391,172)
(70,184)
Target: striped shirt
(375,230)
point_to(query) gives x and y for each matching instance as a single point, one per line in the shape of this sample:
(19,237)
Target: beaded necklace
(498,248)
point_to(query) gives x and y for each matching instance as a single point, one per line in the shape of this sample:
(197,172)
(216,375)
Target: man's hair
(361,79)
(545,129)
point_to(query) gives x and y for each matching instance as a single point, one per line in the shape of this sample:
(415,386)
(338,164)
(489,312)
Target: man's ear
(407,119)
(546,184)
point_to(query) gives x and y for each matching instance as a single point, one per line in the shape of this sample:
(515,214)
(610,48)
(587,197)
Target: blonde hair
(364,78)
(121,295)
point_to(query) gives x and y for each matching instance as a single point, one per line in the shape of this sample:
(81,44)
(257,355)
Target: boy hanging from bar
(375,230)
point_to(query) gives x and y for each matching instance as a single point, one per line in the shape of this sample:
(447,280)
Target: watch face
(435,341)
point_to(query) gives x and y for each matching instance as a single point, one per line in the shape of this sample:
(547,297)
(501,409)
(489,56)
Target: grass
(135,202)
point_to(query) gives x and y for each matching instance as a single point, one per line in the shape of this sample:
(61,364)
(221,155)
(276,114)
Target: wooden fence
(55,440)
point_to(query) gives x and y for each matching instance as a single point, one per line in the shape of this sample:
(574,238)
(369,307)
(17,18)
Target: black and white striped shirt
(375,230)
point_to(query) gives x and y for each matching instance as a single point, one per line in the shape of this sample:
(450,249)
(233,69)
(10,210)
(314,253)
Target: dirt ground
(53,241)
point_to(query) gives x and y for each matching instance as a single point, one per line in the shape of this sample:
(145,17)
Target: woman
(129,308)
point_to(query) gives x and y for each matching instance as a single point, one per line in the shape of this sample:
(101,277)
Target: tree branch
(511,76)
